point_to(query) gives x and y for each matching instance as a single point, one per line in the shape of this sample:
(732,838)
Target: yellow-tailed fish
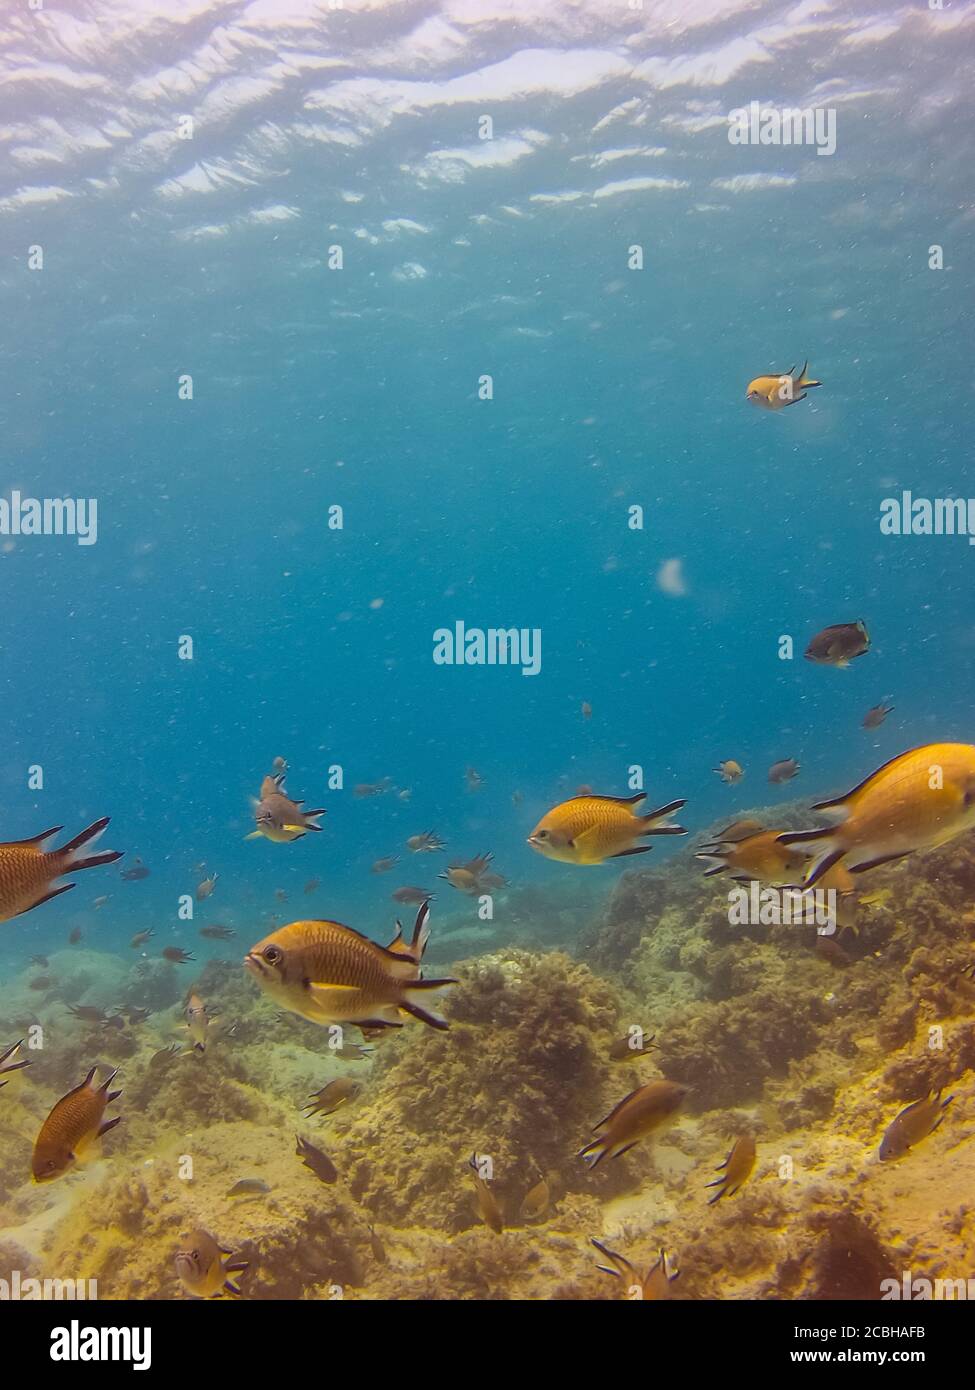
(780,389)
(735,1170)
(28,871)
(644,1110)
(913,1124)
(535,1203)
(591,829)
(72,1127)
(330,973)
(205,1269)
(729,771)
(280,819)
(197,1022)
(919,800)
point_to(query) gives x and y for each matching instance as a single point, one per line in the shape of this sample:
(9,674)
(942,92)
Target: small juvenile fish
(332,1097)
(536,1201)
(427,843)
(655,1286)
(473,779)
(312,885)
(41,961)
(197,1022)
(42,982)
(87,1013)
(319,1163)
(8,1064)
(412,896)
(204,1267)
(165,1054)
(177,955)
(779,389)
(75,936)
(279,765)
(364,789)
(249,1187)
(737,1169)
(875,716)
(140,938)
(99,903)
(487,1203)
(138,871)
(913,1124)
(591,829)
(377,1247)
(135,1013)
(586,710)
(729,770)
(467,877)
(217,932)
(640,1113)
(838,645)
(278,818)
(72,1127)
(383,866)
(204,889)
(783,771)
(635,1043)
(28,871)
(281,894)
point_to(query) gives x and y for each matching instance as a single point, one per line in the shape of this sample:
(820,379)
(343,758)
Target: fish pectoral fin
(255,835)
(54,893)
(109,1124)
(295,829)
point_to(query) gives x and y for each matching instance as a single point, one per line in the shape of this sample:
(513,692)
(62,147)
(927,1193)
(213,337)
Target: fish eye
(543,834)
(272,954)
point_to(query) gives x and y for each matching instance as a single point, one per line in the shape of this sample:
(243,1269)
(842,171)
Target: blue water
(359,387)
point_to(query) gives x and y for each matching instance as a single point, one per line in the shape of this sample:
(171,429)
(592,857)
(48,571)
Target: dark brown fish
(417,896)
(217,932)
(312,885)
(75,936)
(27,870)
(383,866)
(140,938)
(177,955)
(87,1013)
(634,1043)
(875,716)
(319,1163)
(838,645)
(138,871)
(783,771)
(426,843)
(831,950)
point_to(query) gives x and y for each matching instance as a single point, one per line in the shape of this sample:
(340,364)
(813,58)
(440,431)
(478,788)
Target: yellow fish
(919,800)
(729,771)
(329,973)
(204,1267)
(780,388)
(754,854)
(72,1127)
(279,819)
(591,829)
(637,1115)
(27,871)
(737,1169)
(913,1124)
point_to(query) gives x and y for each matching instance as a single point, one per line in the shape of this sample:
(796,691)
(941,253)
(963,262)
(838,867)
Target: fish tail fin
(805,382)
(716,862)
(416,1009)
(108,1081)
(421,932)
(824,849)
(655,823)
(72,860)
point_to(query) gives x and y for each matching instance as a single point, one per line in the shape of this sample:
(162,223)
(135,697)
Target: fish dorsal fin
(33,841)
(838,803)
(617,1108)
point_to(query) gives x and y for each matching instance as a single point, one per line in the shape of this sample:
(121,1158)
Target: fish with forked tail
(72,1127)
(27,870)
(330,973)
(640,1113)
(592,829)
